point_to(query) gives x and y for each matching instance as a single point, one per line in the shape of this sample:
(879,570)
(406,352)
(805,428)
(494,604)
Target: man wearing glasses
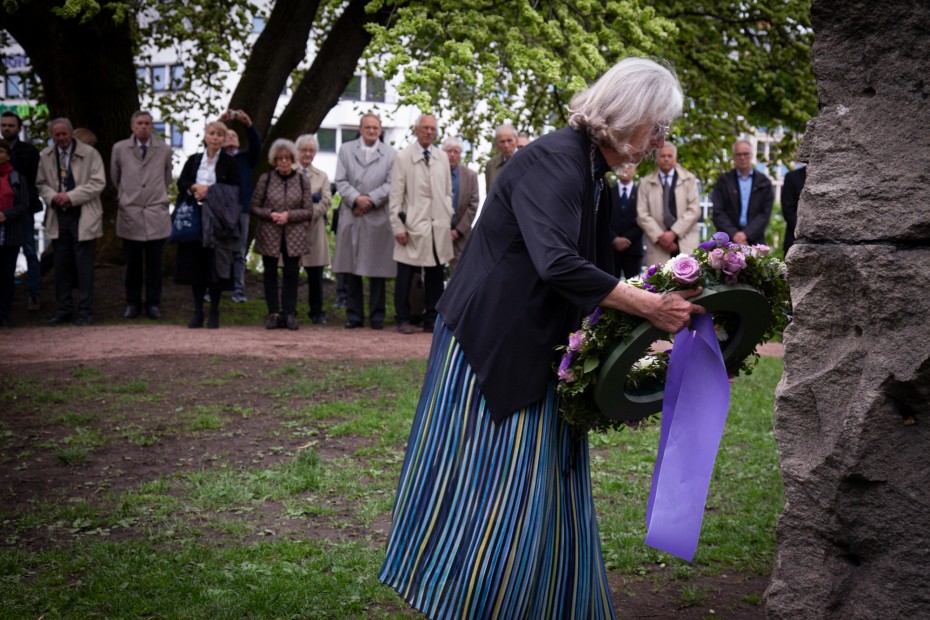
(743,199)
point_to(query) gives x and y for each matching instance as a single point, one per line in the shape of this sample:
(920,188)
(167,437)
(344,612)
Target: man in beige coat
(70,180)
(140,168)
(421,213)
(667,208)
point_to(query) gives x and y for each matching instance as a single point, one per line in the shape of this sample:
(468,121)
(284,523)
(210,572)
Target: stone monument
(852,415)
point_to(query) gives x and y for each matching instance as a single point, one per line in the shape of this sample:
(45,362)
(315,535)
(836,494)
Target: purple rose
(761,250)
(717,258)
(719,240)
(564,373)
(595,316)
(686,270)
(651,272)
(735,262)
(576,340)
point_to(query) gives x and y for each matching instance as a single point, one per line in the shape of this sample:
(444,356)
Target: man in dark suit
(790,194)
(627,235)
(743,199)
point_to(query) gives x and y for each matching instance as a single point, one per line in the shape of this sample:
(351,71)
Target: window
(16,87)
(177,137)
(349,134)
(258,24)
(160,78)
(374,89)
(327,140)
(160,129)
(142,76)
(177,77)
(353,91)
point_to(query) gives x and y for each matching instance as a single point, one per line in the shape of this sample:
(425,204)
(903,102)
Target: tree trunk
(77,87)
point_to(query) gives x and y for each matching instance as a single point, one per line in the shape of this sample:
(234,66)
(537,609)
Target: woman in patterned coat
(283,204)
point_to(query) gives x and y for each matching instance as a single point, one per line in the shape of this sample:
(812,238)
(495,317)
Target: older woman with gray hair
(283,204)
(318,257)
(494,513)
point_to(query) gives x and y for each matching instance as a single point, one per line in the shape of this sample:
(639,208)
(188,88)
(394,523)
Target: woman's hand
(279,217)
(672,311)
(199,190)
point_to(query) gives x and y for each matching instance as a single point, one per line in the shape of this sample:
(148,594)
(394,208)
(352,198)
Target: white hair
(282,144)
(307,139)
(452,142)
(634,93)
(61,121)
(505,127)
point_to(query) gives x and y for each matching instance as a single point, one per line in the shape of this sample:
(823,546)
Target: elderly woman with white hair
(318,257)
(283,204)
(494,515)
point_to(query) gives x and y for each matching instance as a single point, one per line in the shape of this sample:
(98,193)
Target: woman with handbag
(196,264)
(283,204)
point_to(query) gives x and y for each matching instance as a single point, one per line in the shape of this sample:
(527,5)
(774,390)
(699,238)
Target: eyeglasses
(662,130)
(746,154)
(284,158)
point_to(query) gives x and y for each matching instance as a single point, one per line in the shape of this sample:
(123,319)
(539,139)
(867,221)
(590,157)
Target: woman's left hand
(279,217)
(672,311)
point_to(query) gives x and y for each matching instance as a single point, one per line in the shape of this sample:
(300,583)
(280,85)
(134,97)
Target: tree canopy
(742,63)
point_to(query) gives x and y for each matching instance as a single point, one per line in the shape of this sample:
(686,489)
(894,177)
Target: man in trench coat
(364,241)
(140,167)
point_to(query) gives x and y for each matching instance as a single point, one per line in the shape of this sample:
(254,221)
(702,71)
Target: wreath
(611,375)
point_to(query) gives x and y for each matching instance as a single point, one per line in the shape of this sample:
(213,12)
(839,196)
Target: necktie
(62,170)
(623,199)
(668,218)
(426,156)
(144,149)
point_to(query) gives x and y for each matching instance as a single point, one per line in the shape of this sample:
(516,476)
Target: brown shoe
(404,328)
(272,321)
(291,323)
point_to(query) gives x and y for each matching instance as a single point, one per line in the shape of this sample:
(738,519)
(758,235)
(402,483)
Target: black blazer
(534,263)
(790,194)
(623,221)
(227,171)
(726,200)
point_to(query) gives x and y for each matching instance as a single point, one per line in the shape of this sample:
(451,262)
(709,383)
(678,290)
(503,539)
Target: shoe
(272,321)
(238,298)
(153,312)
(5,323)
(377,325)
(213,321)
(353,324)
(196,321)
(290,321)
(83,319)
(404,328)
(132,311)
(34,304)
(428,327)
(317,319)
(61,317)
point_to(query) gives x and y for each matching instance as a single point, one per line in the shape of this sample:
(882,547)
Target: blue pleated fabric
(493,520)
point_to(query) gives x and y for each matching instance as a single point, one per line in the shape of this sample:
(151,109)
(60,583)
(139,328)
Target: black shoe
(83,319)
(132,311)
(213,321)
(378,325)
(404,328)
(5,323)
(272,322)
(290,321)
(61,317)
(153,312)
(353,324)
(196,321)
(317,319)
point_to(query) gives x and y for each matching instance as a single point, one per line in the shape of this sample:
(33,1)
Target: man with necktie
(70,180)
(140,168)
(668,209)
(421,210)
(627,236)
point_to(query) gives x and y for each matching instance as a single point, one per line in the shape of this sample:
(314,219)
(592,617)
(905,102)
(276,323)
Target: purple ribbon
(697,396)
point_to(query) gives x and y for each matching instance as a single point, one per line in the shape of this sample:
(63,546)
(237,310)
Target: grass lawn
(207,487)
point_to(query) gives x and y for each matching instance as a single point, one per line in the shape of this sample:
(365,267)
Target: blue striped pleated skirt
(493,520)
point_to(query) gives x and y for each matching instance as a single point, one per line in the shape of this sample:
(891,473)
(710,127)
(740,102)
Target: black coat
(535,262)
(790,195)
(195,264)
(726,200)
(25,160)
